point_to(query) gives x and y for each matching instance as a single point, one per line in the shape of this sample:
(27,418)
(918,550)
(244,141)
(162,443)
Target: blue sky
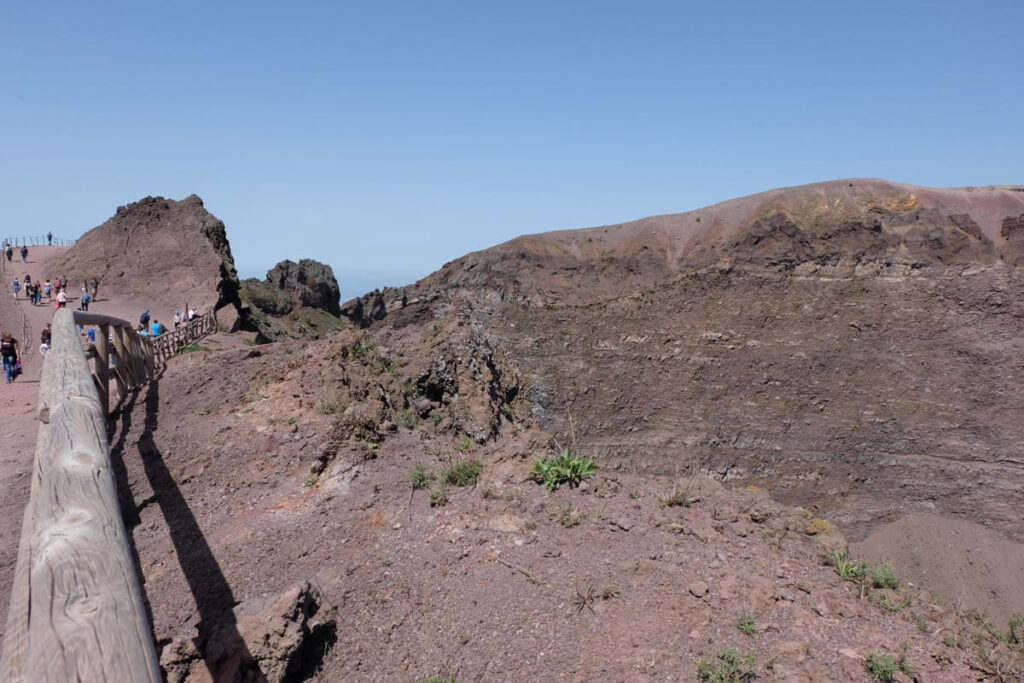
(387,138)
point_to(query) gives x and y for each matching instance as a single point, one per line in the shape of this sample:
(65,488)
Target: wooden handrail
(77,611)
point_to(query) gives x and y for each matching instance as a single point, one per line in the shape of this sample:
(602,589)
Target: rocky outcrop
(296,300)
(169,251)
(364,310)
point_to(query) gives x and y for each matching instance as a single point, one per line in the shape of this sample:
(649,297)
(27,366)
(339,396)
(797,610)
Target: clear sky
(386,138)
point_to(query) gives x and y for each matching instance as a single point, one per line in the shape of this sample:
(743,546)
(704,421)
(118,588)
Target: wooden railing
(173,341)
(77,611)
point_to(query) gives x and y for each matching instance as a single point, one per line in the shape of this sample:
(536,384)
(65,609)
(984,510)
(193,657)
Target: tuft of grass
(408,419)
(551,473)
(312,480)
(440,679)
(729,666)
(567,516)
(1015,635)
(884,577)
(747,625)
(462,473)
(192,348)
(464,444)
(420,477)
(676,500)
(386,562)
(439,497)
(884,667)
(331,404)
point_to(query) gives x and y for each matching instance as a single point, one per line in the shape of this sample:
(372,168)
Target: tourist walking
(24,254)
(47,289)
(16,287)
(49,238)
(10,350)
(83,303)
(9,252)
(62,299)
(95,287)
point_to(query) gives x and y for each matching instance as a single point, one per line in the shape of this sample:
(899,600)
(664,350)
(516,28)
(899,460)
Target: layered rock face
(170,251)
(855,346)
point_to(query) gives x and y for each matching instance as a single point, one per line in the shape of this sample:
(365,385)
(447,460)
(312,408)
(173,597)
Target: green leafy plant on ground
(192,348)
(566,469)
(729,666)
(849,569)
(440,679)
(420,477)
(885,667)
(462,473)
(747,625)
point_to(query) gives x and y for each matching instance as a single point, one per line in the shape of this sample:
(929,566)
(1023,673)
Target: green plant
(439,497)
(922,623)
(729,666)
(747,625)
(884,667)
(420,477)
(884,577)
(386,562)
(552,473)
(634,495)
(440,679)
(291,420)
(408,419)
(464,444)
(312,480)
(888,605)
(462,473)
(849,569)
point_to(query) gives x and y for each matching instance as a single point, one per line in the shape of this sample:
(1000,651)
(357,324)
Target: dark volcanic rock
(365,309)
(301,300)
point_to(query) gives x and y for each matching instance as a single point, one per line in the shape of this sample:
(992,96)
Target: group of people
(35,291)
(156,328)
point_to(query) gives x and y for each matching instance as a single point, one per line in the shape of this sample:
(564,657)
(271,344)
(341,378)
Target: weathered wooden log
(81,615)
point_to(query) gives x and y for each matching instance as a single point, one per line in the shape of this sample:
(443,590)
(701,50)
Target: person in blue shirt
(157,328)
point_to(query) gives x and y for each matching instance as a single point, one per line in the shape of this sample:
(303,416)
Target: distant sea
(354,283)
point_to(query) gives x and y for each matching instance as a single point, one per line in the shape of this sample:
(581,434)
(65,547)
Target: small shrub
(747,625)
(729,666)
(464,444)
(462,473)
(884,577)
(386,562)
(440,679)
(420,477)
(312,480)
(818,526)
(439,497)
(552,473)
(884,667)
(408,419)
